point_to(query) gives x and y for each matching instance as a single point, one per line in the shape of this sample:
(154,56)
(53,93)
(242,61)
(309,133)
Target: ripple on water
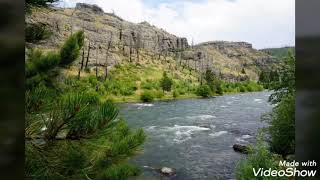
(183,133)
(201,117)
(217,134)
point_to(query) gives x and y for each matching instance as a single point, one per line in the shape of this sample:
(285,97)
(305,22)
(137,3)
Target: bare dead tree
(82,61)
(88,55)
(130,49)
(201,67)
(82,58)
(97,50)
(109,44)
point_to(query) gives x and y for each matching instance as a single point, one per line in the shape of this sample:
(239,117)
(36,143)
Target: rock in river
(241,148)
(167,171)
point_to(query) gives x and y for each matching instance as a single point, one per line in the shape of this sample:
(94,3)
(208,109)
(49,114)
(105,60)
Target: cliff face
(108,32)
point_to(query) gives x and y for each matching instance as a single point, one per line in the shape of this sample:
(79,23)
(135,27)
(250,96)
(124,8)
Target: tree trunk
(88,55)
(82,61)
(97,63)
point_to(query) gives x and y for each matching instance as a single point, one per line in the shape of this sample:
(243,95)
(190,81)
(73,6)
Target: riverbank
(167,97)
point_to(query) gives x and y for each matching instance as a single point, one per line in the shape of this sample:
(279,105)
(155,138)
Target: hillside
(278,52)
(225,58)
(132,57)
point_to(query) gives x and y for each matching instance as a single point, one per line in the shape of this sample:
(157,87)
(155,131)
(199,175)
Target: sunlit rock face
(225,59)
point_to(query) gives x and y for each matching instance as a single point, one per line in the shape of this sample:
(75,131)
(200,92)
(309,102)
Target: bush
(260,157)
(175,94)
(204,91)
(37,32)
(87,70)
(149,84)
(219,90)
(282,126)
(242,88)
(158,94)
(147,96)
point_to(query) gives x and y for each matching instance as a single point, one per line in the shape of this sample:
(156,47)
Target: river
(195,136)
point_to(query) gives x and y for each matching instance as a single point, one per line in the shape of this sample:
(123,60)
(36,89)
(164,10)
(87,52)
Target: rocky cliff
(107,33)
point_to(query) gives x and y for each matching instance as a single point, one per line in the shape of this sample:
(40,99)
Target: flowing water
(195,136)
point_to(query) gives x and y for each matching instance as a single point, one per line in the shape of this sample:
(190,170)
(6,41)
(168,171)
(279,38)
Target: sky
(264,23)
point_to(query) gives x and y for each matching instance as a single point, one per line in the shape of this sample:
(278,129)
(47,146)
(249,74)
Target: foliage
(70,133)
(245,86)
(213,82)
(282,121)
(36,32)
(41,67)
(70,50)
(166,82)
(150,84)
(282,126)
(243,71)
(29,4)
(120,87)
(203,90)
(279,52)
(266,78)
(147,96)
(260,157)
(175,94)
(286,83)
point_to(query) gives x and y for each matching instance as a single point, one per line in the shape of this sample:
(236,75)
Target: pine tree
(166,82)
(71,134)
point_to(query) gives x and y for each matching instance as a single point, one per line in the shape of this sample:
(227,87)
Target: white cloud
(264,23)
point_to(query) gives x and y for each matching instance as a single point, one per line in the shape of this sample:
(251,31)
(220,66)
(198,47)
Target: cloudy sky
(264,23)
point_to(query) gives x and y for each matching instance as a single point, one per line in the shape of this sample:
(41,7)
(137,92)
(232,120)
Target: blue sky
(264,23)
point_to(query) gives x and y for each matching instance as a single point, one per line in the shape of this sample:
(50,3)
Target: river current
(195,136)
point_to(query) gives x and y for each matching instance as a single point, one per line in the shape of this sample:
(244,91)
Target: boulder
(241,148)
(166,171)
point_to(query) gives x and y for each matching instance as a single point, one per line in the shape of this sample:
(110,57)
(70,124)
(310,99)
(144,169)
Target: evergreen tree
(72,134)
(213,82)
(166,82)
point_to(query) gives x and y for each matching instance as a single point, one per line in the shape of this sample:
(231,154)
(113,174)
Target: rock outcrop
(108,32)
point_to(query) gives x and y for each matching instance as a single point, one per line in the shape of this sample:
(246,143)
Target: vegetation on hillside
(282,125)
(71,133)
(279,53)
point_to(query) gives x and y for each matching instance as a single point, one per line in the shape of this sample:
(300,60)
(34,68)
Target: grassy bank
(143,83)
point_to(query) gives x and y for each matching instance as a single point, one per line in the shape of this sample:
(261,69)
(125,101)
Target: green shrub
(122,171)
(175,94)
(37,32)
(203,90)
(260,157)
(87,70)
(93,81)
(242,88)
(149,84)
(219,90)
(147,96)
(158,94)
(282,126)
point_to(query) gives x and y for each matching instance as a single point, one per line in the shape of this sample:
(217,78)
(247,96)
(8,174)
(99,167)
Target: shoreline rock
(241,148)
